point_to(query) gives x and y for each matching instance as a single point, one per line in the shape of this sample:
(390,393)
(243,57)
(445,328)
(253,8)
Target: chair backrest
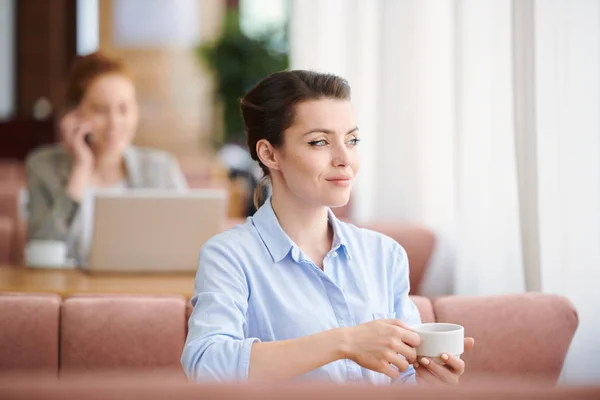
(10,194)
(7,240)
(523,335)
(11,170)
(13,204)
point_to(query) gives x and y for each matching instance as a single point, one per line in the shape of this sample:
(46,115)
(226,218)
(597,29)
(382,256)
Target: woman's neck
(307,226)
(109,170)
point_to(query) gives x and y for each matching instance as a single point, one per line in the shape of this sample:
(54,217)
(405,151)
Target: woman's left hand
(429,372)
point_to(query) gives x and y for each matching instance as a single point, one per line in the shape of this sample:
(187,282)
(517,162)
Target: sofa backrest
(29,332)
(525,336)
(106,332)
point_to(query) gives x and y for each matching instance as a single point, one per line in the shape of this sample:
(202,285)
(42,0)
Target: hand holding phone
(89,139)
(77,137)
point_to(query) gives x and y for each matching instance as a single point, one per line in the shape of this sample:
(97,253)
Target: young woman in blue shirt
(292,292)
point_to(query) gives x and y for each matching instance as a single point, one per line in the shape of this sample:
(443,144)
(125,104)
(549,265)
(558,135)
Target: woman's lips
(340,181)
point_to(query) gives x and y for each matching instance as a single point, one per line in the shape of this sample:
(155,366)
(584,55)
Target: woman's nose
(113,119)
(341,156)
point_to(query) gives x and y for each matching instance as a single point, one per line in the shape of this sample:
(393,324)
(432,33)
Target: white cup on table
(46,253)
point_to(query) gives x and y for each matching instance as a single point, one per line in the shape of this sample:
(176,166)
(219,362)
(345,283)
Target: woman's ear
(266,154)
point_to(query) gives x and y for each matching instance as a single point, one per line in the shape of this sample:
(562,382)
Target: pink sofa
(164,386)
(138,332)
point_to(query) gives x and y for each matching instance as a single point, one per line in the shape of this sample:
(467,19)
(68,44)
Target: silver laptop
(152,230)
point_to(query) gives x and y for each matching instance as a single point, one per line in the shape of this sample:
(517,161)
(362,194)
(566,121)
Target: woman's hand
(429,372)
(73,131)
(379,344)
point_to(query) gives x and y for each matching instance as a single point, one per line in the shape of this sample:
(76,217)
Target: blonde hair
(259,196)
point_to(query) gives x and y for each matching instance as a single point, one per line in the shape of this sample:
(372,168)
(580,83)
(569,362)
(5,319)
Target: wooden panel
(45,48)
(19,136)
(46,45)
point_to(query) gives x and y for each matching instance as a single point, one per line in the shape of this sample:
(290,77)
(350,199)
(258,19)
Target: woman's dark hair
(268,109)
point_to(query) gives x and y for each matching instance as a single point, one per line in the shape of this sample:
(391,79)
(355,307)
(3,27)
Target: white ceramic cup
(46,253)
(439,338)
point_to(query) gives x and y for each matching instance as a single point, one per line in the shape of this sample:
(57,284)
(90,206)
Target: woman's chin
(111,150)
(338,200)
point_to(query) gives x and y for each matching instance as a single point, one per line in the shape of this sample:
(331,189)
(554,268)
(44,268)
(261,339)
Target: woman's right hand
(73,131)
(379,344)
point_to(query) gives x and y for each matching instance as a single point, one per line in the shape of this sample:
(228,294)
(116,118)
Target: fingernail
(445,357)
(424,361)
(416,365)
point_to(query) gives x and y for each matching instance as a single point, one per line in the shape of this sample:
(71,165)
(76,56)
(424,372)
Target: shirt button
(335,254)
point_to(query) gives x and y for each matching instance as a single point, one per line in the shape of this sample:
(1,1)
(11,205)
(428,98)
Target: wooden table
(66,282)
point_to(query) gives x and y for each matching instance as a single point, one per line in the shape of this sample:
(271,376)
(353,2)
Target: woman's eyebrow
(328,131)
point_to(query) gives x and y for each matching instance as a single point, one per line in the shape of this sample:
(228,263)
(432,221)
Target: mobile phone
(88,138)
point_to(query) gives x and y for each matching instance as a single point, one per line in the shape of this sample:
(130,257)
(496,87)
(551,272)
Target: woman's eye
(318,143)
(354,141)
(99,110)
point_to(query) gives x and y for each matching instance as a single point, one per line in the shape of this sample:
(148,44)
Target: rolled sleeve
(216,347)
(50,213)
(408,377)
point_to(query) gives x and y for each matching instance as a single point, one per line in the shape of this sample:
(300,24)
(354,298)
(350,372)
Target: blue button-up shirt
(255,284)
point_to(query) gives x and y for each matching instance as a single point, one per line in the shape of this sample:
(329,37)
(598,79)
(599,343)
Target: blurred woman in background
(95,153)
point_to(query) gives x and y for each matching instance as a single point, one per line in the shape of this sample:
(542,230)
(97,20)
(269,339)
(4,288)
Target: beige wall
(174,90)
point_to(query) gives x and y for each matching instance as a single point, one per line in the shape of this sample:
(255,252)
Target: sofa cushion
(142,332)
(524,335)
(29,332)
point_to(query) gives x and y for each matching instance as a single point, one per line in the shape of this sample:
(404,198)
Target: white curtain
(567,99)
(480,119)
(488,225)
(8,58)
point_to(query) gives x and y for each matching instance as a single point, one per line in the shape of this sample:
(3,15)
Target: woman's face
(319,158)
(110,106)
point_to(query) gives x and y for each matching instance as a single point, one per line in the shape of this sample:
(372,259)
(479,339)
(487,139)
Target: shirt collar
(279,243)
(133,165)
(340,238)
